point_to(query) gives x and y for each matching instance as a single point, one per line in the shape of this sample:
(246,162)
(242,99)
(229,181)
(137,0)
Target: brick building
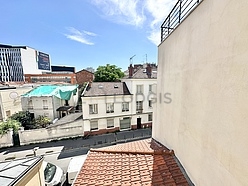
(83,76)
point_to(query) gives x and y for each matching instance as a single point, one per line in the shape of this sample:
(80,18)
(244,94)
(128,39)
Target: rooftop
(12,171)
(141,72)
(106,89)
(144,162)
(60,91)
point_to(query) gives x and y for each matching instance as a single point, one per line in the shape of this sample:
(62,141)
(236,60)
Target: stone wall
(67,130)
(6,139)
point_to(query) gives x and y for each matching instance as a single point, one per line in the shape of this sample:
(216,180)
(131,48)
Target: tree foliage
(108,73)
(42,121)
(9,124)
(24,117)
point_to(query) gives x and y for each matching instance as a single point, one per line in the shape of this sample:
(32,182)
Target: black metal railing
(177,14)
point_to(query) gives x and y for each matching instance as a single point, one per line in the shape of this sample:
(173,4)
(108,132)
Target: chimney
(90,83)
(149,71)
(130,69)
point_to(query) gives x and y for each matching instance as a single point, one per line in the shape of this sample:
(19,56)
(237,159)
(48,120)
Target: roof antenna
(131,59)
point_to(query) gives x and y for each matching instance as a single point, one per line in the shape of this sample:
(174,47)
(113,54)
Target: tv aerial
(131,59)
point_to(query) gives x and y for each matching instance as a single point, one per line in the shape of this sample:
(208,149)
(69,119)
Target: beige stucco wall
(53,103)
(203,64)
(9,103)
(67,130)
(33,177)
(6,139)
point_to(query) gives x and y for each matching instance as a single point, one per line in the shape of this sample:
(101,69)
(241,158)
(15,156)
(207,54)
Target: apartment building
(141,81)
(112,106)
(106,107)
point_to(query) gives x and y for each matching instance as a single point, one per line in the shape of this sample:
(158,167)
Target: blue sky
(86,33)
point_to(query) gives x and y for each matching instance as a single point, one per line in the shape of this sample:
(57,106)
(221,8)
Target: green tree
(42,121)
(108,73)
(9,124)
(24,117)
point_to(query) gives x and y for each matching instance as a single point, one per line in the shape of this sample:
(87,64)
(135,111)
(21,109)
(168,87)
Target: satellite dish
(13,95)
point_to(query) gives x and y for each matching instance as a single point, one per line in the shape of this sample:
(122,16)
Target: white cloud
(124,12)
(89,33)
(78,36)
(138,13)
(158,9)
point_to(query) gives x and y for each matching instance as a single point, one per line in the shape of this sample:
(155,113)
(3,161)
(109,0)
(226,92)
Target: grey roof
(12,171)
(106,89)
(140,73)
(66,119)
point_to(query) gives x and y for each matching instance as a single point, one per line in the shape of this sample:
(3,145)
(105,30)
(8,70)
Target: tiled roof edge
(183,171)
(156,152)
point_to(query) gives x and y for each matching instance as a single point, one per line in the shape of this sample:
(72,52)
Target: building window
(46,114)
(110,123)
(125,123)
(45,105)
(150,103)
(139,106)
(93,109)
(125,106)
(30,104)
(8,113)
(109,107)
(150,117)
(139,89)
(94,125)
(150,88)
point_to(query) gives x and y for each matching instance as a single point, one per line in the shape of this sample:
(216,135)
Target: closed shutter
(94,125)
(110,123)
(125,123)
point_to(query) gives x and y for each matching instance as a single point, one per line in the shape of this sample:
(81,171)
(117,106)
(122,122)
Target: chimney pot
(149,71)
(130,69)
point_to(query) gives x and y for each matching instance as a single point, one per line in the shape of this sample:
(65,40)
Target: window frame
(139,89)
(94,109)
(110,123)
(125,106)
(45,104)
(150,103)
(150,88)
(92,123)
(109,107)
(30,104)
(150,118)
(139,106)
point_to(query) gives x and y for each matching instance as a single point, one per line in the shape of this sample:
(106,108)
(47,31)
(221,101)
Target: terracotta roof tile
(144,162)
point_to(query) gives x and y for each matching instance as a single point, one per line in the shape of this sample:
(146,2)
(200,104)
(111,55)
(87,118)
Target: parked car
(53,174)
(74,167)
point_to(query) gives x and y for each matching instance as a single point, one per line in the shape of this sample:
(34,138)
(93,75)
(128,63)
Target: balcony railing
(176,16)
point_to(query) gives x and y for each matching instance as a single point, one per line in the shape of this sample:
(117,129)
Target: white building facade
(112,106)
(141,82)
(46,100)
(106,107)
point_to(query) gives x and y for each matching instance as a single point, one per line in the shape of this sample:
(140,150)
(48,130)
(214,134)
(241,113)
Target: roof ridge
(152,152)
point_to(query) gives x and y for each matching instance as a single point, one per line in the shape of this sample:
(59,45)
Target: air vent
(100,86)
(116,86)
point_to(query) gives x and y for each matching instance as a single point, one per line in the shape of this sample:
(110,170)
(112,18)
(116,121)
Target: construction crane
(131,59)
